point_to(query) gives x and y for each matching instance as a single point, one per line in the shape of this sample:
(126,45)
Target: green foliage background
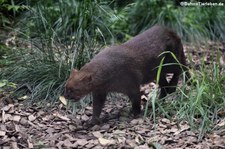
(66,34)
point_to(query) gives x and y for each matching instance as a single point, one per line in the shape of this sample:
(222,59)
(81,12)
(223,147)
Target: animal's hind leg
(173,82)
(163,84)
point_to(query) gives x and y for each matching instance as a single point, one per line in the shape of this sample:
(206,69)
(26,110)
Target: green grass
(63,36)
(198,103)
(205,99)
(44,77)
(191,23)
(78,27)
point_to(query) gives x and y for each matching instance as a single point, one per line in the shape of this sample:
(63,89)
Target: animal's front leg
(135,97)
(98,103)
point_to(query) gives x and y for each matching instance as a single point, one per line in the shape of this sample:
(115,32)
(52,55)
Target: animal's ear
(74,71)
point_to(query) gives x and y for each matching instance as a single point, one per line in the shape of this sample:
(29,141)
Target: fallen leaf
(30,145)
(97,134)
(3,127)
(104,142)
(61,116)
(3,116)
(6,108)
(222,123)
(31,118)
(162,125)
(95,128)
(70,137)
(165,121)
(59,144)
(71,127)
(131,143)
(63,100)
(24,97)
(23,121)
(14,145)
(32,124)
(174,130)
(40,113)
(222,61)
(68,144)
(105,127)
(121,140)
(16,118)
(183,128)
(143,131)
(119,132)
(17,128)
(89,145)
(81,142)
(2,133)
(145,146)
(139,139)
(136,121)
(84,117)
(50,130)
(94,142)
(170,140)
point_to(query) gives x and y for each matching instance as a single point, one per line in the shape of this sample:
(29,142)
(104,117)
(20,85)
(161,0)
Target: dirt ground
(57,127)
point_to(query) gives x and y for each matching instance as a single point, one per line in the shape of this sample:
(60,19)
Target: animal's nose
(67,93)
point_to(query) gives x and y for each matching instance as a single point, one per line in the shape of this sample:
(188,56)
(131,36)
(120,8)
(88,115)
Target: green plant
(8,10)
(120,25)
(5,56)
(199,103)
(63,35)
(205,99)
(153,95)
(81,26)
(191,23)
(4,83)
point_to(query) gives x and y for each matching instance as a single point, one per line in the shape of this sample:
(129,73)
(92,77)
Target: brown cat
(123,68)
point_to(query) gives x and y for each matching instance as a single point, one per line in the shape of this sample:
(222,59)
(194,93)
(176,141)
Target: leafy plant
(205,99)
(79,25)
(199,103)
(9,9)
(4,83)
(191,23)
(5,56)
(63,35)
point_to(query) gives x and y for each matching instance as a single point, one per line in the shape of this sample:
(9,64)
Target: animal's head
(78,85)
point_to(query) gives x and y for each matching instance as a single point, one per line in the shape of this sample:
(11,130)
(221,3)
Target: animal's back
(139,55)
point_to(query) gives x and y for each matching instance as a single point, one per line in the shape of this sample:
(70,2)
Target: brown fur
(123,68)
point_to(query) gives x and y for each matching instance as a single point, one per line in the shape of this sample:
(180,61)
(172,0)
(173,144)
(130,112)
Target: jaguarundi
(123,68)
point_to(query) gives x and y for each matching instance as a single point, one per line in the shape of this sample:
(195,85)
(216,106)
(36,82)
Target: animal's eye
(69,91)
(77,90)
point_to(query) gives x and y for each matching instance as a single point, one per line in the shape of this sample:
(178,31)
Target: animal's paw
(93,122)
(135,113)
